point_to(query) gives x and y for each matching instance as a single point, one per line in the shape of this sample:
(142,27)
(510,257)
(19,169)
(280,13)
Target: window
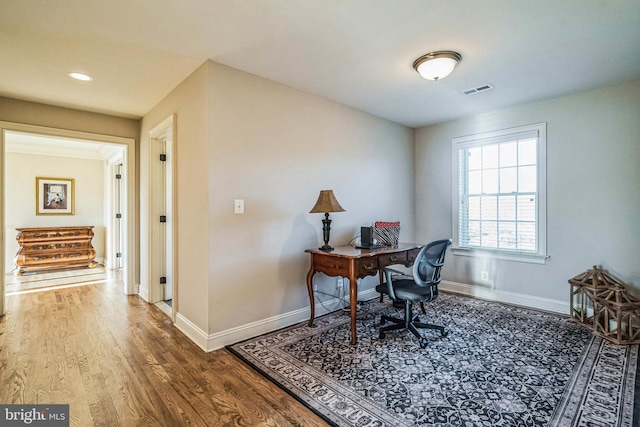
(500,194)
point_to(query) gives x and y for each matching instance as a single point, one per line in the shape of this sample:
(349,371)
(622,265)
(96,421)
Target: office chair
(422,287)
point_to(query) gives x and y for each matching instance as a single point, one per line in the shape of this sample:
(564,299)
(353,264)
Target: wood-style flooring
(36,282)
(118,361)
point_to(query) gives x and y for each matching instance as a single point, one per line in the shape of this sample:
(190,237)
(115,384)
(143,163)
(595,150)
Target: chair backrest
(427,266)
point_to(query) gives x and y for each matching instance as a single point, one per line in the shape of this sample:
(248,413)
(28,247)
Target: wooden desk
(354,264)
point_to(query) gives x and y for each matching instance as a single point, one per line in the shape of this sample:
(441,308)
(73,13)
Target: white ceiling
(356,52)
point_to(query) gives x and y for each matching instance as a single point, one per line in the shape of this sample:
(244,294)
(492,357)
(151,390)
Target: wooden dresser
(49,248)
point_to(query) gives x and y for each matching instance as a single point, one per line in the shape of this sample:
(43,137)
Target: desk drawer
(412,255)
(366,267)
(331,266)
(391,259)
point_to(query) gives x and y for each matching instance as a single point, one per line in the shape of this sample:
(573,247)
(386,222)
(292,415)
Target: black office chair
(422,287)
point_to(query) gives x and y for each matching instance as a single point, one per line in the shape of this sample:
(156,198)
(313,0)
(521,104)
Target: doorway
(161,221)
(57,141)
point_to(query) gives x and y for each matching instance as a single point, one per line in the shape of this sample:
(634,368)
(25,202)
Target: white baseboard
(506,297)
(211,342)
(195,334)
(143,292)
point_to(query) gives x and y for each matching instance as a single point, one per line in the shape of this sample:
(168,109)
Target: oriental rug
(500,365)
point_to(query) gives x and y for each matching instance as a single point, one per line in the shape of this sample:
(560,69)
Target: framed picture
(55,196)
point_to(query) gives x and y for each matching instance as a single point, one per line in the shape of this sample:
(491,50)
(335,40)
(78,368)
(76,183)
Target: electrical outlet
(339,284)
(484,276)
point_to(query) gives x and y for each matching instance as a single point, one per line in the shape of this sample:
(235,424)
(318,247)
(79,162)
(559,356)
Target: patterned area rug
(500,365)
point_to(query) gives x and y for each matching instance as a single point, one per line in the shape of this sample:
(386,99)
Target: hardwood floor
(118,361)
(36,282)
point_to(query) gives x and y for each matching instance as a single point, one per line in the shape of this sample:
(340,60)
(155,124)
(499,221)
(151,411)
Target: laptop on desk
(366,239)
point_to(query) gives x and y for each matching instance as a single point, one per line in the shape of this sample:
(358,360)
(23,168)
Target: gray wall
(593,201)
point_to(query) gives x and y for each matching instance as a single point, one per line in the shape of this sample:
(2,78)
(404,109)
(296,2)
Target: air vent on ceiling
(478,89)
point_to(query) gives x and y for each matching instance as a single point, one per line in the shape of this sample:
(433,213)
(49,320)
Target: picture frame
(55,196)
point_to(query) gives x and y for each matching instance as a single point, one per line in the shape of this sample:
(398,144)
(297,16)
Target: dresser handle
(394,258)
(368,267)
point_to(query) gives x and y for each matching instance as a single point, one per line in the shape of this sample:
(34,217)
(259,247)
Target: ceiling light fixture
(437,65)
(80,76)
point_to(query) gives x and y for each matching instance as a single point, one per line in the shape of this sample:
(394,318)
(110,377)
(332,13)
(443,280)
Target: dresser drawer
(69,245)
(55,235)
(55,257)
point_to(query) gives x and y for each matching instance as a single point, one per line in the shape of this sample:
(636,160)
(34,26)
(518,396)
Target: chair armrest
(389,273)
(394,271)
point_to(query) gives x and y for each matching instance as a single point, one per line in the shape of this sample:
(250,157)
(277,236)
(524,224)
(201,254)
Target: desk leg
(353,299)
(310,289)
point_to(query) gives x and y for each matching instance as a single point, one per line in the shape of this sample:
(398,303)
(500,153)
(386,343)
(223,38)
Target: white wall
(240,136)
(276,148)
(593,203)
(189,102)
(20,198)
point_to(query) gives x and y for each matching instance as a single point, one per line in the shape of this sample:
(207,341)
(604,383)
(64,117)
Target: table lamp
(326,203)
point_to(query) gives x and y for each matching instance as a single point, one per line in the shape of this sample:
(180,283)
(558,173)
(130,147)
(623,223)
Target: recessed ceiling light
(81,76)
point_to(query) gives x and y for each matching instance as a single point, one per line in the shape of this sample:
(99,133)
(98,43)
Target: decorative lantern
(601,303)
(617,318)
(584,288)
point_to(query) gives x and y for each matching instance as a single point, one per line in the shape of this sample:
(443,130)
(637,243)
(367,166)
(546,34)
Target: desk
(354,264)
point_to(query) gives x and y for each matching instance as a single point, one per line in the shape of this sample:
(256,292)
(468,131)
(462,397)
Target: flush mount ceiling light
(437,65)
(80,76)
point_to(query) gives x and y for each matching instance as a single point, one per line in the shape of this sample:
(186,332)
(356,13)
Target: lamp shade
(326,203)
(437,65)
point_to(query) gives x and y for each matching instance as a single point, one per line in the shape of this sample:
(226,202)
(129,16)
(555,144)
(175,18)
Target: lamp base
(326,248)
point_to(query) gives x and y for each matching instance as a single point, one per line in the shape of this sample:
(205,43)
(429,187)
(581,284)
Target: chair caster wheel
(444,334)
(381,335)
(423,343)
(382,322)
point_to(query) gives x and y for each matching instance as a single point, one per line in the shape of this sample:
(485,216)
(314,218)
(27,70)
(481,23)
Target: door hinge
(118,254)
(163,280)
(118,216)
(118,176)
(163,157)
(163,218)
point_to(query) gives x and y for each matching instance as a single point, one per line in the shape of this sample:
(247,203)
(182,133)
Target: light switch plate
(239,206)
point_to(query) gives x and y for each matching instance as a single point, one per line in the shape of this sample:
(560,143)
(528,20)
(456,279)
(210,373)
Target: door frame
(166,129)
(129,144)
(115,190)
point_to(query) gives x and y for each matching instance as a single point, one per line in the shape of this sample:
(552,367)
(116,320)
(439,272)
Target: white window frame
(539,256)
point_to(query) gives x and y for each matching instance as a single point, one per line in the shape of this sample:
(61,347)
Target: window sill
(504,255)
